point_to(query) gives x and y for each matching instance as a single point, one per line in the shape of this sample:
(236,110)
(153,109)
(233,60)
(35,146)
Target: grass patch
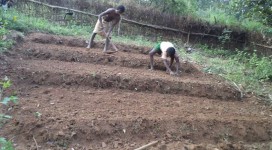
(219,16)
(249,71)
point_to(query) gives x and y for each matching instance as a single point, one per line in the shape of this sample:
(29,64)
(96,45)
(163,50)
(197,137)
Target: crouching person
(165,49)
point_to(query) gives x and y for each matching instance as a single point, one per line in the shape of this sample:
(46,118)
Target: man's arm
(177,64)
(114,23)
(167,67)
(171,62)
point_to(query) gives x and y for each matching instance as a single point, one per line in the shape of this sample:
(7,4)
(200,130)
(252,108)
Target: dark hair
(171,51)
(121,8)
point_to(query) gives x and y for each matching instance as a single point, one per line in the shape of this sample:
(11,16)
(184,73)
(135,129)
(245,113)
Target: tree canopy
(260,10)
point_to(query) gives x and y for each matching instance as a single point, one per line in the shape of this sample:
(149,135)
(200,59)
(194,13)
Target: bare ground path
(90,100)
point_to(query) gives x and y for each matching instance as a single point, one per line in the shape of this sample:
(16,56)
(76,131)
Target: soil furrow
(64,120)
(79,42)
(74,74)
(95,56)
(73,98)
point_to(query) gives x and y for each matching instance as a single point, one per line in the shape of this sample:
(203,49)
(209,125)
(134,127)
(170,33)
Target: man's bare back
(111,15)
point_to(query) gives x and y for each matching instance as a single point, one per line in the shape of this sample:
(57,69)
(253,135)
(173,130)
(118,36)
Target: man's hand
(178,73)
(172,73)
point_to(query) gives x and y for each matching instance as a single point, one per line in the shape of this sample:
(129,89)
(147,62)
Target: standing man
(107,20)
(165,49)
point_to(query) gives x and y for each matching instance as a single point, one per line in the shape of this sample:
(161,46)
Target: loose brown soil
(91,100)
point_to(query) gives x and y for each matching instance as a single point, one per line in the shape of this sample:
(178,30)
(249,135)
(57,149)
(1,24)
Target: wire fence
(65,16)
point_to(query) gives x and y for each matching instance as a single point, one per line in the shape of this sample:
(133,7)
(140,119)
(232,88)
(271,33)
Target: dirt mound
(75,98)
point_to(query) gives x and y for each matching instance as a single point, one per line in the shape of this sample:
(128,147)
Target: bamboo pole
(147,145)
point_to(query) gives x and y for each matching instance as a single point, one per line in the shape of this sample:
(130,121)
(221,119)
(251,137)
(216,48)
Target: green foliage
(5,145)
(165,6)
(232,15)
(225,37)
(4,22)
(38,114)
(135,40)
(217,16)
(259,10)
(5,84)
(219,52)
(21,22)
(6,100)
(256,67)
(249,70)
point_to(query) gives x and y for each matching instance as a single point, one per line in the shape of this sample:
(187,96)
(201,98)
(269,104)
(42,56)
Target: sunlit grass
(218,16)
(251,72)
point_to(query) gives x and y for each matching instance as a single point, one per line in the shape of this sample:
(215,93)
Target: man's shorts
(101,31)
(158,48)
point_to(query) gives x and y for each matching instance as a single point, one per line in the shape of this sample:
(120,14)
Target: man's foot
(115,48)
(90,45)
(109,52)
(172,73)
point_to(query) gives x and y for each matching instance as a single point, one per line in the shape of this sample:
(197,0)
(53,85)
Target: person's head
(121,9)
(171,52)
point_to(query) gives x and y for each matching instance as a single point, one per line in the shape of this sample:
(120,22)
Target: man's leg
(106,47)
(107,43)
(90,44)
(114,47)
(151,55)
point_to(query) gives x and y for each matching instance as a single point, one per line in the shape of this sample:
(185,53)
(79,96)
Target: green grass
(5,145)
(4,44)
(136,40)
(251,72)
(218,16)
(20,22)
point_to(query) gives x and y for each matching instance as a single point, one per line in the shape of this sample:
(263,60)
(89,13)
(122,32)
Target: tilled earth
(74,98)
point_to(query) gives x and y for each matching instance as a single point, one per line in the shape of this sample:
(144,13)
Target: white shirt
(164,46)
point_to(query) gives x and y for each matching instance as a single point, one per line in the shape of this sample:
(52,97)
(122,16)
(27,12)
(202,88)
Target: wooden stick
(36,143)
(265,46)
(147,145)
(239,89)
(64,8)
(1,91)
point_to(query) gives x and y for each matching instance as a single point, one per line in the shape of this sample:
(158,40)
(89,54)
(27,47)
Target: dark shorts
(158,48)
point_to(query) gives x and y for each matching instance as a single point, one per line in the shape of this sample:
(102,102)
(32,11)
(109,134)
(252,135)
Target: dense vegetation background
(232,23)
